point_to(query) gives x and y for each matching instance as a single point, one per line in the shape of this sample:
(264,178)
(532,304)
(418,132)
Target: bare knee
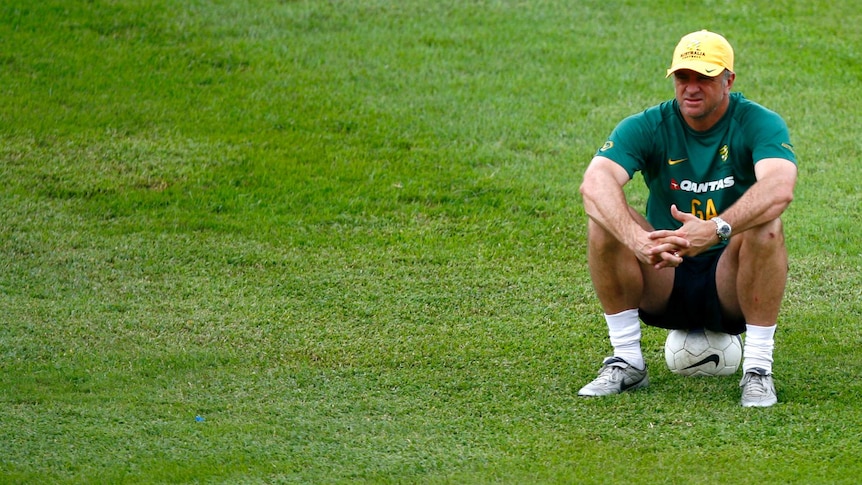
(768,235)
(763,245)
(599,238)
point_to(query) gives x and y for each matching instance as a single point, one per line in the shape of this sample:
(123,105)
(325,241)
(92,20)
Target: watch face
(722,229)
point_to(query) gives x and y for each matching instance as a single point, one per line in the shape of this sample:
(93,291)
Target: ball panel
(702,352)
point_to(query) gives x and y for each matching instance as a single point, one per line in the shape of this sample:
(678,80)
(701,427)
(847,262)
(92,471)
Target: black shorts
(694,299)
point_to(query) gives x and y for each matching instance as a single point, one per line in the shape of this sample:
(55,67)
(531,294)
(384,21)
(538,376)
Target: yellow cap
(705,52)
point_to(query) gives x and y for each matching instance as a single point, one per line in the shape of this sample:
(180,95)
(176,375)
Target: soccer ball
(702,352)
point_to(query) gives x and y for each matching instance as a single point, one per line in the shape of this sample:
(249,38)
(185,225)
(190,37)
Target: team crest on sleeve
(607,146)
(724,151)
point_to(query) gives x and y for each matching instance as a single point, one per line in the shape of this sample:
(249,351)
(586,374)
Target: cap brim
(705,68)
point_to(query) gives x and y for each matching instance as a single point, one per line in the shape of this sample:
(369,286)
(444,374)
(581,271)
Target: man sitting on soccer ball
(710,252)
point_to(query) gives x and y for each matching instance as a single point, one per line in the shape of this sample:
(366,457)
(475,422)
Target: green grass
(347,235)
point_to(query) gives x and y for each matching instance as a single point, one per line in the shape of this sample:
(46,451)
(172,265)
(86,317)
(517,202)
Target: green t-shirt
(703,173)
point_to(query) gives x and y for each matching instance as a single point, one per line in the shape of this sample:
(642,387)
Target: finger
(662,234)
(673,245)
(677,237)
(669,259)
(679,215)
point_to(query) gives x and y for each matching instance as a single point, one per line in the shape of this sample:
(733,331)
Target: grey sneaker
(615,376)
(758,389)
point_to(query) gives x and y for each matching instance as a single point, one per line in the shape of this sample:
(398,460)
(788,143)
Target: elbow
(781,193)
(781,201)
(785,197)
(783,190)
(584,189)
(588,187)
(588,196)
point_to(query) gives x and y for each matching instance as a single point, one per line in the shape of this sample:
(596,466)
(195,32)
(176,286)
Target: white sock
(624,329)
(759,343)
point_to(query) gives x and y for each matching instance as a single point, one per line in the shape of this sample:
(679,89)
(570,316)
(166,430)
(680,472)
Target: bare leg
(620,280)
(615,271)
(755,287)
(751,278)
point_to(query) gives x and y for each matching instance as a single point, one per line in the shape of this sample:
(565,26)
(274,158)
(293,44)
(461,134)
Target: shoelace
(613,373)
(756,385)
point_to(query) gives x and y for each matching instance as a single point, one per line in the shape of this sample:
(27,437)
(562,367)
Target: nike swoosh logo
(712,358)
(671,161)
(709,71)
(625,387)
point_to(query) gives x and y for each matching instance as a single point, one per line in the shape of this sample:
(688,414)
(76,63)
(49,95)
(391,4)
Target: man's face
(702,99)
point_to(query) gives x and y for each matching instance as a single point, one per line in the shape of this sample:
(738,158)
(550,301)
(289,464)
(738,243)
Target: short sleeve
(629,143)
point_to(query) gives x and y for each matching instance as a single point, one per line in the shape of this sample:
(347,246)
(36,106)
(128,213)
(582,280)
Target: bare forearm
(765,201)
(606,205)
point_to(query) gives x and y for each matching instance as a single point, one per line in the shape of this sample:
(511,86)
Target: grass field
(334,241)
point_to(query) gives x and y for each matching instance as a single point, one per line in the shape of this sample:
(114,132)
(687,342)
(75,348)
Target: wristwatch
(722,229)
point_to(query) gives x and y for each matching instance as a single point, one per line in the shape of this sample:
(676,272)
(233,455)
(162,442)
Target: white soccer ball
(702,352)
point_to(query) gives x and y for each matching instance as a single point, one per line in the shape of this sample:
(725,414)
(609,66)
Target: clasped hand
(665,248)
